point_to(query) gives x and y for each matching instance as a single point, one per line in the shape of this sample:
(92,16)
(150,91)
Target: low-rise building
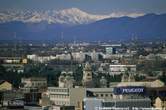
(102,93)
(120,69)
(67,96)
(155,83)
(5,85)
(160,102)
(126,104)
(34,82)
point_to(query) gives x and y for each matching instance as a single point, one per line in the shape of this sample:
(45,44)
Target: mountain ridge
(71,16)
(149,26)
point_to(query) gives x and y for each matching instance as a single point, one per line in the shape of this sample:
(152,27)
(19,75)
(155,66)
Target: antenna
(62,37)
(15,48)
(74,38)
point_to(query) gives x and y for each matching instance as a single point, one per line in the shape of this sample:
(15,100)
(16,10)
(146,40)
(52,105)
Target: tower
(87,80)
(103,82)
(124,78)
(66,79)
(62,79)
(69,80)
(131,78)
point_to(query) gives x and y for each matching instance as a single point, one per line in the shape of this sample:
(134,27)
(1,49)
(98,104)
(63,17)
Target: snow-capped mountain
(70,16)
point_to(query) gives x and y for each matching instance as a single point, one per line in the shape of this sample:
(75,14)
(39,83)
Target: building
(102,93)
(92,103)
(87,80)
(103,82)
(78,56)
(5,85)
(120,69)
(34,82)
(156,92)
(130,92)
(116,104)
(32,96)
(110,50)
(160,102)
(155,83)
(66,79)
(41,59)
(62,108)
(12,99)
(128,77)
(126,104)
(67,96)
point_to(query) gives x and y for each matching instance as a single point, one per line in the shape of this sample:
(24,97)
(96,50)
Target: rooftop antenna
(15,48)
(74,38)
(62,37)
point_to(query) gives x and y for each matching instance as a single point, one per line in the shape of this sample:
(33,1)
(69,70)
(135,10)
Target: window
(111,95)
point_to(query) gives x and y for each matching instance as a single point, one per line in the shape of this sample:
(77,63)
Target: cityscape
(83,55)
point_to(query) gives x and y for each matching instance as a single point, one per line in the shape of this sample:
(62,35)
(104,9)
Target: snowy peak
(72,11)
(77,16)
(71,16)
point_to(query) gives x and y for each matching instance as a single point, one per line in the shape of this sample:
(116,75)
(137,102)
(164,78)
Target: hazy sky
(92,6)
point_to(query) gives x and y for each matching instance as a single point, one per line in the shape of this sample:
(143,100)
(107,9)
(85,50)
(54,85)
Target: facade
(87,80)
(92,103)
(67,96)
(66,79)
(62,108)
(120,69)
(11,98)
(103,82)
(5,85)
(160,102)
(34,82)
(32,96)
(128,77)
(110,50)
(102,93)
(155,83)
(126,104)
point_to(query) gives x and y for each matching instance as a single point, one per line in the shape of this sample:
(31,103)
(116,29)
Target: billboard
(129,90)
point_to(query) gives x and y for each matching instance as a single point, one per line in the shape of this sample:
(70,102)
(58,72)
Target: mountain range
(69,24)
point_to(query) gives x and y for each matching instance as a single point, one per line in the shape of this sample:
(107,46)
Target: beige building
(87,80)
(67,96)
(121,69)
(155,83)
(66,79)
(34,82)
(160,102)
(102,93)
(5,85)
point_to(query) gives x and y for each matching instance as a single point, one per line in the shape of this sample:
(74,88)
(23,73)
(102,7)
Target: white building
(92,103)
(67,96)
(78,56)
(34,82)
(66,79)
(155,83)
(120,69)
(40,59)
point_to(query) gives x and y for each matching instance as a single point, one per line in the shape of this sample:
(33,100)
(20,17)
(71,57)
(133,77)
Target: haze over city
(82,54)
